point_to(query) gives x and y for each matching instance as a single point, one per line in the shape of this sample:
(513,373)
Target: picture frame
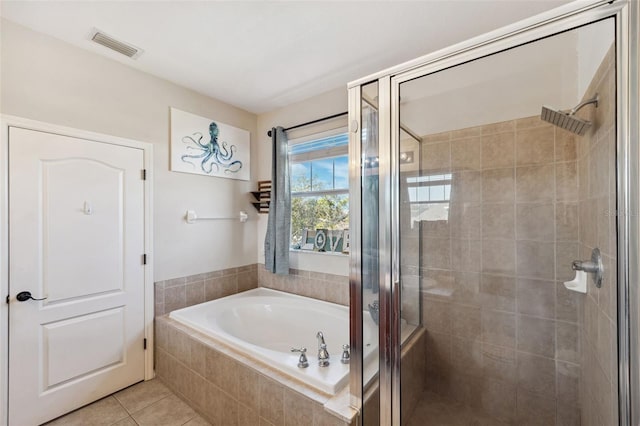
(205,146)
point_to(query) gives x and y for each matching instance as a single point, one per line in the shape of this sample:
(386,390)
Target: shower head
(568,120)
(565,121)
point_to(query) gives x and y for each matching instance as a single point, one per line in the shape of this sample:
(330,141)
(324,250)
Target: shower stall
(491,231)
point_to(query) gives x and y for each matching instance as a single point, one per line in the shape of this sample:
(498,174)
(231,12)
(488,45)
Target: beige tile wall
(503,334)
(597,228)
(187,291)
(318,285)
(411,383)
(412,375)
(229,389)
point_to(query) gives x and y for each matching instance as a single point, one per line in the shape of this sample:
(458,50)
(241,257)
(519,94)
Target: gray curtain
(277,239)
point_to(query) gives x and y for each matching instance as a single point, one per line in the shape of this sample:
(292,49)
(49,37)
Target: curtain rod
(312,122)
(402,126)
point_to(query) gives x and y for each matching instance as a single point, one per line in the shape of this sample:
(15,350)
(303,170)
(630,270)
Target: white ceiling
(263,55)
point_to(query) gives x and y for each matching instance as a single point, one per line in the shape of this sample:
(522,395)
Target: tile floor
(152,403)
(434,410)
(146,403)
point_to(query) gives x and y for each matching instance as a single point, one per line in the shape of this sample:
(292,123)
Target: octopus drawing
(212,155)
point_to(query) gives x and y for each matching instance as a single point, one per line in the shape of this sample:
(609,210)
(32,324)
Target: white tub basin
(266,324)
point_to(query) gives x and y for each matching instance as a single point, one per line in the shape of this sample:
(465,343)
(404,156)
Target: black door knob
(23,296)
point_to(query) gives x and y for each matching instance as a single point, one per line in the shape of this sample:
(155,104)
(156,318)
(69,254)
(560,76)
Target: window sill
(322,253)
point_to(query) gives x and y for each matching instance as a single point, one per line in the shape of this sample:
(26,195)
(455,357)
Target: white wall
(48,80)
(594,42)
(509,85)
(329,103)
(554,71)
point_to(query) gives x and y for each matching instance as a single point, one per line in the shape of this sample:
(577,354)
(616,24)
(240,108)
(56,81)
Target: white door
(76,237)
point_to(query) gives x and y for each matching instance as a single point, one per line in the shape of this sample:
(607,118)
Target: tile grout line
(153,403)
(113,395)
(116,398)
(191,418)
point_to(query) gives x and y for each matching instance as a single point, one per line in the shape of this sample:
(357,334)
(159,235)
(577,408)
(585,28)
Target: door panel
(67,358)
(92,206)
(76,225)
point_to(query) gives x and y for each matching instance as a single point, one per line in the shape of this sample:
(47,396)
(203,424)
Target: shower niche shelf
(262,196)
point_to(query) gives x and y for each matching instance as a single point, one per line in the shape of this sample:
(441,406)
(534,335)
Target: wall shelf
(262,196)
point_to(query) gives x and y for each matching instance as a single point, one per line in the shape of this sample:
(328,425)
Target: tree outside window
(319,186)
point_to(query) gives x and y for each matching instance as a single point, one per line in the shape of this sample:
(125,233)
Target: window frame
(315,155)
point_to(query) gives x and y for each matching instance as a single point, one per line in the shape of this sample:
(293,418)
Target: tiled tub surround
(597,228)
(265,324)
(181,292)
(503,334)
(317,285)
(228,388)
(208,374)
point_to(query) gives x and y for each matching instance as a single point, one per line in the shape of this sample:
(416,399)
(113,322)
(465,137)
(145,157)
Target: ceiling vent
(116,45)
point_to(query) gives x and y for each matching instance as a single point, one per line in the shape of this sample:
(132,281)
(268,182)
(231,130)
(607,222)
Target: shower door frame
(627,34)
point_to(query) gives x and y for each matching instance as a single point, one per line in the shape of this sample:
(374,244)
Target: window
(319,185)
(429,197)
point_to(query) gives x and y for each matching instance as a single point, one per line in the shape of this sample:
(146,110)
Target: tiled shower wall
(503,334)
(181,292)
(597,206)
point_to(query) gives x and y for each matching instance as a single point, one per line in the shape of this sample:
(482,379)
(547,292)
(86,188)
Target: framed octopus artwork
(205,146)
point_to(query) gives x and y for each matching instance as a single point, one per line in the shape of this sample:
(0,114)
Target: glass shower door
(365,281)
(493,211)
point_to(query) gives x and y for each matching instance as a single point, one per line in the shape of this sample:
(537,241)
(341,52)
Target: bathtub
(266,324)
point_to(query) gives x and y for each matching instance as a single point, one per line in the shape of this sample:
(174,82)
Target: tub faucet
(302,362)
(346,355)
(323,353)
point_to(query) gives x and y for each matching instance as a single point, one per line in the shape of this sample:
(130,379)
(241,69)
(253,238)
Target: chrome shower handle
(592,266)
(584,265)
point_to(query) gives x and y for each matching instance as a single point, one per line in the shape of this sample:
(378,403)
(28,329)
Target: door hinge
(8,298)
(144,174)
(144,259)
(144,343)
